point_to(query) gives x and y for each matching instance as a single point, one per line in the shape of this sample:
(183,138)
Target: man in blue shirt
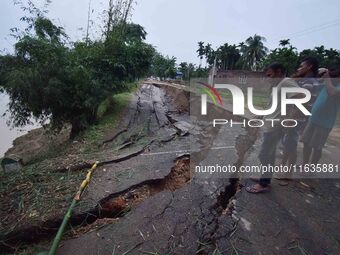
(324,113)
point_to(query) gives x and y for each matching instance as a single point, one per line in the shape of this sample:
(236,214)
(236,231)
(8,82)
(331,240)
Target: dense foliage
(163,67)
(290,57)
(254,55)
(49,78)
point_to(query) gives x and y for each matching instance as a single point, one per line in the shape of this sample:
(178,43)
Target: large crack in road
(157,204)
(186,220)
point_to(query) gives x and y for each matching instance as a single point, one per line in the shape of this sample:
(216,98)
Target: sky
(175,27)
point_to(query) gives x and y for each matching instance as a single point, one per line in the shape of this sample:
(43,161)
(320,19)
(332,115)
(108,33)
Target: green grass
(111,111)
(34,191)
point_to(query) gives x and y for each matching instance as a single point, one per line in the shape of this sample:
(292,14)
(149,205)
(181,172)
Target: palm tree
(331,53)
(331,58)
(254,51)
(170,67)
(227,56)
(183,67)
(201,51)
(242,47)
(222,56)
(208,52)
(234,55)
(320,50)
(191,69)
(284,42)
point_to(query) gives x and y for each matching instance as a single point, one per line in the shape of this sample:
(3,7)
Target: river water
(7,134)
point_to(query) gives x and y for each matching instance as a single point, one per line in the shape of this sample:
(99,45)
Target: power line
(314,29)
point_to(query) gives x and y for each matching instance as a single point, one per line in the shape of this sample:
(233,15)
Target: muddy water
(7,134)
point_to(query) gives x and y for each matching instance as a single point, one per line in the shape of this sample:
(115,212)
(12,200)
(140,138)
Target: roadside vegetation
(55,81)
(39,189)
(49,78)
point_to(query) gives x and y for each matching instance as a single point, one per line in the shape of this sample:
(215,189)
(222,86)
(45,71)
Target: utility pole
(211,78)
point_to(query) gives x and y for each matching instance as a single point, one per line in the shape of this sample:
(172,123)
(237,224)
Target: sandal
(252,189)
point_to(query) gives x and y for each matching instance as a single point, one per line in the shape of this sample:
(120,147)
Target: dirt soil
(36,143)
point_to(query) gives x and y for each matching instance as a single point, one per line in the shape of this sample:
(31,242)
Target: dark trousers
(268,152)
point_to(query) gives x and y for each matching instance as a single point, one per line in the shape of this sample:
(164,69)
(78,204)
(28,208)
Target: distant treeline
(252,54)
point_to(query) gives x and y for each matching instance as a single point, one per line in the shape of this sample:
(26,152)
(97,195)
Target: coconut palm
(254,51)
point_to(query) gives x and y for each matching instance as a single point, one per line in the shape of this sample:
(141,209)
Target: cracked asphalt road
(187,220)
(301,218)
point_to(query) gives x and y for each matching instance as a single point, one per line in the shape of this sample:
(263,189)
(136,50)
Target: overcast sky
(175,26)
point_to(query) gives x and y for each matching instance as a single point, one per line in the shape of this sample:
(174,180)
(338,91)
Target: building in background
(241,78)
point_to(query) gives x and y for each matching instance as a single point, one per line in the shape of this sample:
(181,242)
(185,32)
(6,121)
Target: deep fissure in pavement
(116,205)
(224,201)
(111,207)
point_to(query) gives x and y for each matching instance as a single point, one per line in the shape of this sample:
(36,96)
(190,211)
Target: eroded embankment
(156,120)
(150,121)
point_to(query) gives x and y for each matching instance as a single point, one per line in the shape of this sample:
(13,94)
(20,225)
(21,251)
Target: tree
(331,58)
(284,42)
(253,55)
(186,69)
(287,56)
(241,62)
(191,69)
(328,58)
(242,47)
(209,54)
(201,51)
(200,72)
(49,80)
(183,68)
(163,67)
(227,56)
(254,51)
(116,16)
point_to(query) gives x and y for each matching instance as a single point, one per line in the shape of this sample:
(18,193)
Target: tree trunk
(82,121)
(76,128)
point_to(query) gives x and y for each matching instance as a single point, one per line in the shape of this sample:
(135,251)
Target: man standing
(306,75)
(324,113)
(272,133)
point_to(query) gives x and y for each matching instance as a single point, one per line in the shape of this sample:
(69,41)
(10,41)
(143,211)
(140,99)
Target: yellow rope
(86,181)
